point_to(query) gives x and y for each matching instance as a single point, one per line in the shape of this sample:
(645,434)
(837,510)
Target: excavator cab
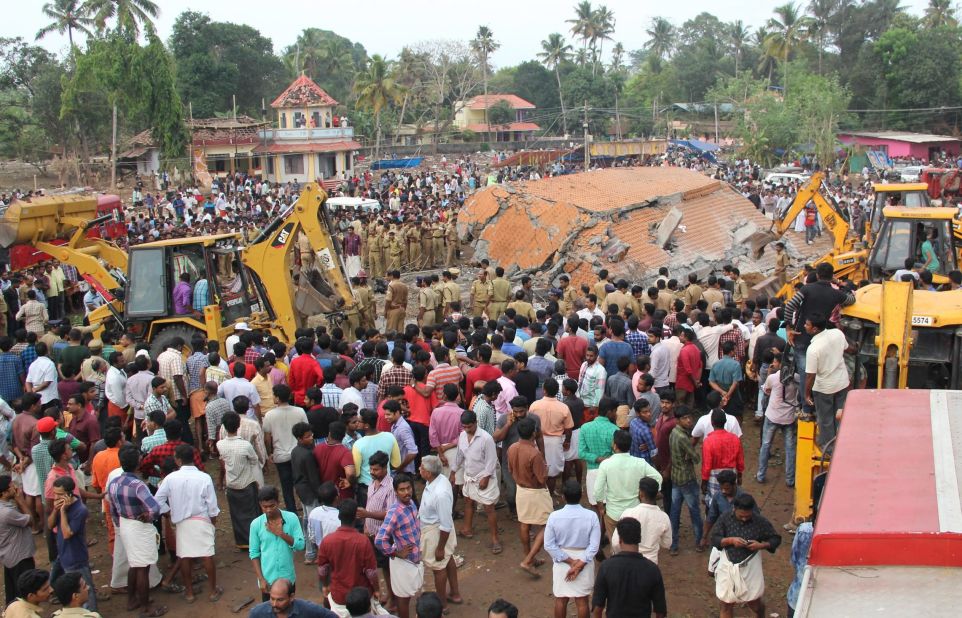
(901,237)
(156,269)
(907,195)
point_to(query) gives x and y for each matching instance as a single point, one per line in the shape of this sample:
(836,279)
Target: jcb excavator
(252,283)
(895,230)
(904,338)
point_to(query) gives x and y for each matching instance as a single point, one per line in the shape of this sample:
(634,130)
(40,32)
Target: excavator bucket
(758,241)
(45,218)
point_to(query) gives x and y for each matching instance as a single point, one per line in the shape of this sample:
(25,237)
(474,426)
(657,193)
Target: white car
(910,173)
(785,178)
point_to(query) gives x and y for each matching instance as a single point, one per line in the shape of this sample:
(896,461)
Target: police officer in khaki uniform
(364,295)
(402,238)
(365,250)
(374,244)
(437,236)
(304,249)
(500,293)
(619,297)
(395,302)
(522,307)
(599,288)
(427,246)
(427,302)
(450,289)
(481,292)
(451,238)
(568,296)
(414,246)
(395,250)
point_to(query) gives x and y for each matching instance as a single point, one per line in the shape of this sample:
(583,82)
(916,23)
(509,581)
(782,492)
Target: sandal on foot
(453,602)
(530,571)
(216,595)
(154,613)
(496,548)
(172,588)
(190,599)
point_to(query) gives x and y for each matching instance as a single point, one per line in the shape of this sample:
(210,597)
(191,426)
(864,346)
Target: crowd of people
(575,416)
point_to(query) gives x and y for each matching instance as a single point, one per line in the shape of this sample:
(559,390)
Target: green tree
(661,38)
(131,16)
(555,52)
(820,16)
(787,31)
(376,90)
(604,20)
(940,13)
(157,101)
(583,24)
(581,86)
(66,16)
(738,36)
(483,45)
(216,60)
(329,59)
(501,114)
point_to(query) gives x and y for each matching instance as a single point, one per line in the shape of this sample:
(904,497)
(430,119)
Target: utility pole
(113,152)
(716,122)
(584,125)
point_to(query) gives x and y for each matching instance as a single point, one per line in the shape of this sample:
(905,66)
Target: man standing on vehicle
(826,377)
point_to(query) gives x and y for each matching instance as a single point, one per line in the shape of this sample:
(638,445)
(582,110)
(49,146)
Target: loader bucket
(44,219)
(758,241)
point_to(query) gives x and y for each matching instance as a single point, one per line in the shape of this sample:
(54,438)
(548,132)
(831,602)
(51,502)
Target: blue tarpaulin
(704,149)
(386,164)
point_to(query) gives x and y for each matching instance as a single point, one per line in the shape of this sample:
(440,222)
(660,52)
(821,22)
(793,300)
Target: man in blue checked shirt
(399,537)
(642,439)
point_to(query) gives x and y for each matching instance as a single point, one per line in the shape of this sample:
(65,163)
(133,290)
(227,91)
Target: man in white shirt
(189,496)
(42,376)
(660,360)
(591,309)
(826,377)
(655,524)
(323,519)
(115,384)
(703,426)
(278,434)
(239,385)
(708,337)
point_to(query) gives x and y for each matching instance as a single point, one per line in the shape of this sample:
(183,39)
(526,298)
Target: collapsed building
(630,221)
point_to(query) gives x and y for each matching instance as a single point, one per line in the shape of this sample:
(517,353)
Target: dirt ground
(483,577)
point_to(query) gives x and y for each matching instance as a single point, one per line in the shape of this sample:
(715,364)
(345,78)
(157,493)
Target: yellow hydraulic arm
(833,220)
(267,256)
(894,339)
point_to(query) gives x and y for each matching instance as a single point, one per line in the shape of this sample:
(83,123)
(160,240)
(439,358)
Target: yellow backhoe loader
(904,338)
(254,283)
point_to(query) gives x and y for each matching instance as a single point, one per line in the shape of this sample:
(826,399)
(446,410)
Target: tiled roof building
(580,223)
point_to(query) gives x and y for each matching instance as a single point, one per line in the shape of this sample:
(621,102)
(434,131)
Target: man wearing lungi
(399,538)
(238,477)
(572,538)
(556,426)
(438,540)
(529,470)
(477,459)
(188,495)
(133,510)
(741,535)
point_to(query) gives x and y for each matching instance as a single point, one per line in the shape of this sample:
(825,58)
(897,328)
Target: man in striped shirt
(330,392)
(442,374)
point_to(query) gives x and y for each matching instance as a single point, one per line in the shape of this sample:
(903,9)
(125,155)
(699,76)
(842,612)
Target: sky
(384,27)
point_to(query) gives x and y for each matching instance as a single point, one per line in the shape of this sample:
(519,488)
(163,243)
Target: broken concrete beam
(667,227)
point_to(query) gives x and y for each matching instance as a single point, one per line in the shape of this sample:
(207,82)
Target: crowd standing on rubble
(367,448)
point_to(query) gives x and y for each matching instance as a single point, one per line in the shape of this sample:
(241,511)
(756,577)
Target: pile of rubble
(630,221)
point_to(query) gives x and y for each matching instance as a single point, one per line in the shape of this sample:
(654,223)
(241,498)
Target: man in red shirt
(571,348)
(722,450)
(335,462)
(305,372)
(420,408)
(345,560)
(689,368)
(484,372)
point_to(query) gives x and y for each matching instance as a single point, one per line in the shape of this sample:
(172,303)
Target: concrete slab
(667,227)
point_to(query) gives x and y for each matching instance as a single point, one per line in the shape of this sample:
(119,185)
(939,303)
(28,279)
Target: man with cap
(427,301)
(500,293)
(235,338)
(481,292)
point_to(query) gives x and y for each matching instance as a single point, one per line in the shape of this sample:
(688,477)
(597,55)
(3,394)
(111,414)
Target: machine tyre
(161,341)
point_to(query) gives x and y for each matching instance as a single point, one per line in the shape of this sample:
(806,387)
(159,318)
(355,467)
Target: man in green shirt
(72,356)
(594,443)
(616,486)
(274,538)
(684,478)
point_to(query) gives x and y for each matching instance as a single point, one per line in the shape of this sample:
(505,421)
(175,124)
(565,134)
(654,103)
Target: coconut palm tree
(738,35)
(820,14)
(483,46)
(618,76)
(376,89)
(554,52)
(789,29)
(940,13)
(583,25)
(766,62)
(66,16)
(661,35)
(604,27)
(131,15)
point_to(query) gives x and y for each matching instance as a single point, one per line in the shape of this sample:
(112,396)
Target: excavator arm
(831,216)
(329,291)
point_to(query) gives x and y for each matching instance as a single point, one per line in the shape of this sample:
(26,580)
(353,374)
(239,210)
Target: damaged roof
(581,223)
(303,92)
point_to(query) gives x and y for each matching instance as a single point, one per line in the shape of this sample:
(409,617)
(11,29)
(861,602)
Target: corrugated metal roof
(899,136)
